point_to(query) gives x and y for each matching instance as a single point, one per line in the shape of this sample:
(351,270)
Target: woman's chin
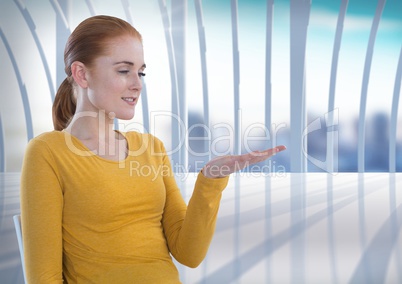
(125,116)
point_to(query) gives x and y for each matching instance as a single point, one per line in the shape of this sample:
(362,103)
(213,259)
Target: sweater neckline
(90,153)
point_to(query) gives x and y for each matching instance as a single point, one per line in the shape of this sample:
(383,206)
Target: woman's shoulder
(50,137)
(45,142)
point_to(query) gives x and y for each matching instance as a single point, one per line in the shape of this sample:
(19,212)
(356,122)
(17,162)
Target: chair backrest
(17,224)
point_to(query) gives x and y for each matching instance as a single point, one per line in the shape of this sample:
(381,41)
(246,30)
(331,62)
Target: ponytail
(64,105)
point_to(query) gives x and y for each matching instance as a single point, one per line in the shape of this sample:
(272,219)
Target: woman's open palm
(225,165)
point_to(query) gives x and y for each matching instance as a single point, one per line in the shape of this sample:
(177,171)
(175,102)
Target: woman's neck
(92,126)
(95,131)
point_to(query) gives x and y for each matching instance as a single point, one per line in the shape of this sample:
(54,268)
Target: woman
(89,215)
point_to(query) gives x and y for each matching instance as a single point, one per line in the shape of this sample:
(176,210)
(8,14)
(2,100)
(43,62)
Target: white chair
(17,224)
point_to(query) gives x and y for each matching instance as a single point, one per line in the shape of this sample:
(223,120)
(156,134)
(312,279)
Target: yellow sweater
(86,219)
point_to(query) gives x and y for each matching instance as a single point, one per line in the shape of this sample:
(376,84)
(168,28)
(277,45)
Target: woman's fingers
(269,152)
(259,156)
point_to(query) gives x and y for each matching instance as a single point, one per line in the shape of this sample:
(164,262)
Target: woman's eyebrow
(130,63)
(124,62)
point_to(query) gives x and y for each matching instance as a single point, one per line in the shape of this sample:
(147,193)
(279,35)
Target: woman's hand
(225,165)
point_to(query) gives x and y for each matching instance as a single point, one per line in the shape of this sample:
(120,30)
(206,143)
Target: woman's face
(114,80)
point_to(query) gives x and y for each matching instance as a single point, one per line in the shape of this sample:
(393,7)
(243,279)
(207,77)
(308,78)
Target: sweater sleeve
(41,213)
(189,229)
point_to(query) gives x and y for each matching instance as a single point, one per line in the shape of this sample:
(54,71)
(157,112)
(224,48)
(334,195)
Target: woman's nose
(136,83)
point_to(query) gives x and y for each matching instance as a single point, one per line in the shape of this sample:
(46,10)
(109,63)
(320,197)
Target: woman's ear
(78,71)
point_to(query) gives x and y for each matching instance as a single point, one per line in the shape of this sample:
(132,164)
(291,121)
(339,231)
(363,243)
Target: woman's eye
(141,74)
(123,71)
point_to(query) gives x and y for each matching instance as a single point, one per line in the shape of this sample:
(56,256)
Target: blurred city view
(376,146)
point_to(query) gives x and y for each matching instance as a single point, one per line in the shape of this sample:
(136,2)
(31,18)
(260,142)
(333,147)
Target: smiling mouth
(130,100)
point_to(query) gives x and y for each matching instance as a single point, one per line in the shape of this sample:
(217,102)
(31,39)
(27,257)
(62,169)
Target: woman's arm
(189,231)
(41,212)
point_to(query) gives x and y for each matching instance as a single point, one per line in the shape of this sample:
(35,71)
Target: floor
(283,228)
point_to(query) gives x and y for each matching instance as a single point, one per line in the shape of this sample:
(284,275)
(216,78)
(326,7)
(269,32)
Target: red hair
(87,42)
